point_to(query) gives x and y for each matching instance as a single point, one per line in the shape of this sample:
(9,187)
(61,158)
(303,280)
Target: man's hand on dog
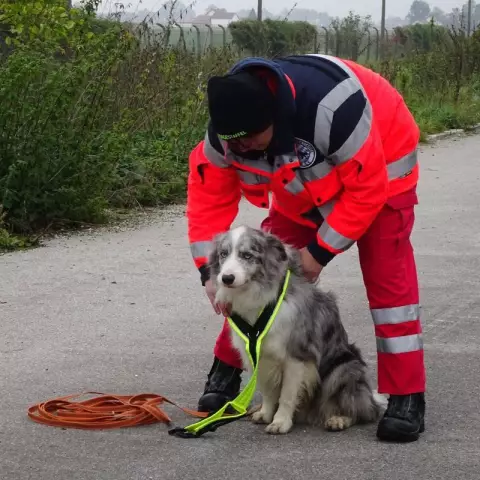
(311,268)
(220,308)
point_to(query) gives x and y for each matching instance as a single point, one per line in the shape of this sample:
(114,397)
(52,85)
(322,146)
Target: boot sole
(394,435)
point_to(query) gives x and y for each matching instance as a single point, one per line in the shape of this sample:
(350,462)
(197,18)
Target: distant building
(215,17)
(224,18)
(201,20)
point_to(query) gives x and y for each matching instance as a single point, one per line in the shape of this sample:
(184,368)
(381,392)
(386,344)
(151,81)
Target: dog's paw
(262,417)
(380,400)
(336,424)
(279,426)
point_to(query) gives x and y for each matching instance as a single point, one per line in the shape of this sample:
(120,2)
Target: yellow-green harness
(253,338)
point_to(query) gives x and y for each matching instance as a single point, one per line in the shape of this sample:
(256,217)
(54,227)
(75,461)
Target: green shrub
(273,38)
(351,36)
(440,80)
(111,126)
(13,242)
(420,37)
(53,166)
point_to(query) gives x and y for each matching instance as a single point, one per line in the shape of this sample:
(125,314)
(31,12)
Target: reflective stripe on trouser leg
(390,277)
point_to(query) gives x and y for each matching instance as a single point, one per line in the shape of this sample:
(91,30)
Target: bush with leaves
(47,25)
(439,80)
(420,38)
(273,38)
(351,38)
(110,125)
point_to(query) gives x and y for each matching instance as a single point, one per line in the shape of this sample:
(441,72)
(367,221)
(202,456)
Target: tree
(272,37)
(50,24)
(351,32)
(419,12)
(439,16)
(392,22)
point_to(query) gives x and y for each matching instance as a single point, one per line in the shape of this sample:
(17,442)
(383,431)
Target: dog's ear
(294,260)
(213,262)
(275,245)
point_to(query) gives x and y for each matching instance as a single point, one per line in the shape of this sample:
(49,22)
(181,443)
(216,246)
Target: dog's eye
(246,255)
(223,254)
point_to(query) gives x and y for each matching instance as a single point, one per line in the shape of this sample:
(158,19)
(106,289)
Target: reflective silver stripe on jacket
(317,172)
(408,343)
(402,166)
(252,178)
(357,138)
(395,315)
(335,97)
(327,108)
(334,239)
(286,159)
(319,214)
(295,186)
(337,62)
(261,164)
(200,249)
(213,155)
(326,208)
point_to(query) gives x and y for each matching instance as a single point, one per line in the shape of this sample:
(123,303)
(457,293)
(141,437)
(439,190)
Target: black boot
(403,420)
(223,385)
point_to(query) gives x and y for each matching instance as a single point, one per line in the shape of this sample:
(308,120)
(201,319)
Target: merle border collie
(308,372)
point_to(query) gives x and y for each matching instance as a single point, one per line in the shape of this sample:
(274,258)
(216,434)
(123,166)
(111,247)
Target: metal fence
(200,38)
(197,38)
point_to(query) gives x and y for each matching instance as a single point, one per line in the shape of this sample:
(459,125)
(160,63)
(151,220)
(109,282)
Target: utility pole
(382,30)
(469,18)
(259,10)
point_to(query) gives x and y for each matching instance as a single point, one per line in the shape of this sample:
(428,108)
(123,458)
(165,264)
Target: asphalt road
(123,312)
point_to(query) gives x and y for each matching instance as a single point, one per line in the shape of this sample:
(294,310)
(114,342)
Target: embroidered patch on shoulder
(306,153)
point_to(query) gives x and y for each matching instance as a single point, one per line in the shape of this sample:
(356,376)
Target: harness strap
(252,332)
(253,337)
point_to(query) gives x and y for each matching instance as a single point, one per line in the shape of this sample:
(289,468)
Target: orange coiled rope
(105,411)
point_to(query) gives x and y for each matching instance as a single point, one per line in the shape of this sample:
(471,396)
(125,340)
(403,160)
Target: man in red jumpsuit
(336,147)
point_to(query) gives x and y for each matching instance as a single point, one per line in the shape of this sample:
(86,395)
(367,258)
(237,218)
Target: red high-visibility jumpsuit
(367,198)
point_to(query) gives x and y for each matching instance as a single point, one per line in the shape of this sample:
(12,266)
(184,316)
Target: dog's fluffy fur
(308,371)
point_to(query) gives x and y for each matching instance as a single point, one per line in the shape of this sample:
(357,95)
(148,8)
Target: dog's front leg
(269,383)
(293,377)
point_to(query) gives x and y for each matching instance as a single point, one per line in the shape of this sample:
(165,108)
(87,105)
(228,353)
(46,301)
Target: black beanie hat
(239,104)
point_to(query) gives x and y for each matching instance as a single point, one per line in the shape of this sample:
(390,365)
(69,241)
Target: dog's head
(244,257)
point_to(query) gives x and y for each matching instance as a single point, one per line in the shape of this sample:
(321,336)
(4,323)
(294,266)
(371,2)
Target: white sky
(339,8)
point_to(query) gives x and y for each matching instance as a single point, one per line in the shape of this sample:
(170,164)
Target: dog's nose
(228,279)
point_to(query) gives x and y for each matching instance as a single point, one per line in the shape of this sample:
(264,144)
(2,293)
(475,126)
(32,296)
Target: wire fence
(365,45)
(196,38)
